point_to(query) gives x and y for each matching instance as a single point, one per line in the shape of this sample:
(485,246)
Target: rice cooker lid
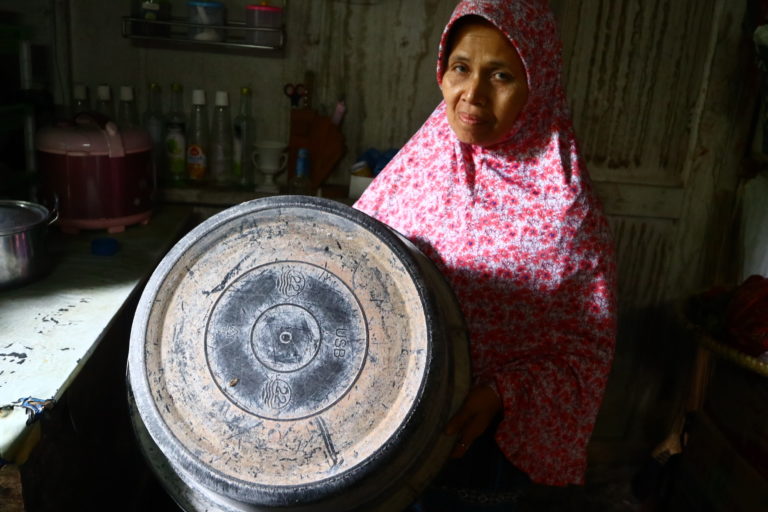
(18,216)
(89,135)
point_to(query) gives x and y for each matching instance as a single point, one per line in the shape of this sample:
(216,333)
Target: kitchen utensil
(321,137)
(269,158)
(296,93)
(206,13)
(102,175)
(23,246)
(268,21)
(292,353)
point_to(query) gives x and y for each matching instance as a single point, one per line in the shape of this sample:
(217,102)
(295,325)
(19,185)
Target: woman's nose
(476,93)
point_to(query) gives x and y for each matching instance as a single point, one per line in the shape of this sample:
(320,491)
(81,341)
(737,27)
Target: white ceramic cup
(270,156)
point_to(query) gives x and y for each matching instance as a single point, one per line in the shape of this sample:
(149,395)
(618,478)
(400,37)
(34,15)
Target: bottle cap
(222,99)
(126,93)
(80,92)
(361,169)
(176,87)
(198,97)
(245,91)
(102,92)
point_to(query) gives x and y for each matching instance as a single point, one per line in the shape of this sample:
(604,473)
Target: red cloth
(519,234)
(746,317)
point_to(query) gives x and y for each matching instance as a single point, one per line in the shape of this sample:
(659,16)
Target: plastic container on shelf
(206,13)
(150,11)
(264,16)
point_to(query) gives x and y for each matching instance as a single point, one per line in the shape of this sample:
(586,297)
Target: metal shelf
(175,33)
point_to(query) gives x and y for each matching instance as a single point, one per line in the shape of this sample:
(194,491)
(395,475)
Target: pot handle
(54,214)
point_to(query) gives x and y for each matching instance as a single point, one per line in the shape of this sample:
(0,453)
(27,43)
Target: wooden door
(662,103)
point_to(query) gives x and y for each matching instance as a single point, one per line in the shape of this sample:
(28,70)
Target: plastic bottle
(175,139)
(244,127)
(197,138)
(127,112)
(154,123)
(80,100)
(301,183)
(104,101)
(220,152)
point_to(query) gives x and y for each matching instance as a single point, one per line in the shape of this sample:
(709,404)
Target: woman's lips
(470,119)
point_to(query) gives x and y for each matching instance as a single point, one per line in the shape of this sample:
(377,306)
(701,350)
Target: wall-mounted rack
(236,36)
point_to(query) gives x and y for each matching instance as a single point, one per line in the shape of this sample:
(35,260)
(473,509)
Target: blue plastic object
(104,246)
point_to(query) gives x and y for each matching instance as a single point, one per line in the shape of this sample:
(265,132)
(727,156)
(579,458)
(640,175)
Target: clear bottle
(175,139)
(301,183)
(127,111)
(80,100)
(197,138)
(244,127)
(220,152)
(104,101)
(154,123)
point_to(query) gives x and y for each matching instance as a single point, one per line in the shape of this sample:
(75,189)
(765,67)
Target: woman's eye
(459,68)
(503,76)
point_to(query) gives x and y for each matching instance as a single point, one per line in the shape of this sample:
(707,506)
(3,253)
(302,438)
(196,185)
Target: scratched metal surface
(282,352)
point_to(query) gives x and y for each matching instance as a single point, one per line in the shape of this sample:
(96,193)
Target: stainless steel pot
(23,247)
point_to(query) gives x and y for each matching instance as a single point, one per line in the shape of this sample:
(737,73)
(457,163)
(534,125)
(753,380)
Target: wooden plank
(640,200)
(702,249)
(633,71)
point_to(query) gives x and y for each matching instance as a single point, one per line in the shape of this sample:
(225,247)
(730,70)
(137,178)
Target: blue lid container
(206,13)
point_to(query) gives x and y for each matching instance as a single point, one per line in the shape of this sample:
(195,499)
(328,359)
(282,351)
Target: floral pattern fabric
(518,233)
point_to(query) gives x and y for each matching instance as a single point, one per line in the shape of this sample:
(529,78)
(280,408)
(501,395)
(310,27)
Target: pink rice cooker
(102,176)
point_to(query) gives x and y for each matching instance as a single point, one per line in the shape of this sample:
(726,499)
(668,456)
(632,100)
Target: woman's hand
(474,416)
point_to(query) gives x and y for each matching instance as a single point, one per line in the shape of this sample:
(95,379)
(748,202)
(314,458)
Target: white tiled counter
(50,327)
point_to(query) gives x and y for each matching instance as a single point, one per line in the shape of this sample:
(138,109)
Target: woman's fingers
(471,431)
(474,416)
(462,416)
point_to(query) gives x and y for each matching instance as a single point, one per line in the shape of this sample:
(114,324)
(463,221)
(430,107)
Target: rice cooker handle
(108,127)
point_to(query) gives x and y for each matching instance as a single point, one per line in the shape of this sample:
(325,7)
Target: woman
(493,189)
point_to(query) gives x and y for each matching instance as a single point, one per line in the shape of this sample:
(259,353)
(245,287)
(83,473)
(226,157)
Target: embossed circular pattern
(283,352)
(285,338)
(279,330)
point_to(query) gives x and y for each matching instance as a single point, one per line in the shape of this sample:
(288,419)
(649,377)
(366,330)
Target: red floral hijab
(519,234)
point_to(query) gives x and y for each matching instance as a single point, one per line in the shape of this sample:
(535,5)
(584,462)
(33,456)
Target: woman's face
(484,85)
